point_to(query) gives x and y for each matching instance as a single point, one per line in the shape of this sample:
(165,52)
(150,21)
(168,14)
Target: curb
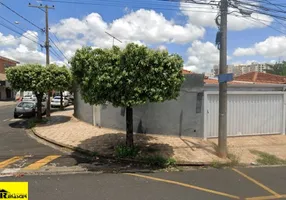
(90,153)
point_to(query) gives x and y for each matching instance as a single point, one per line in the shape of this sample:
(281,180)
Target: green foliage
(132,76)
(123,151)
(31,123)
(30,77)
(233,161)
(159,161)
(277,68)
(268,159)
(62,77)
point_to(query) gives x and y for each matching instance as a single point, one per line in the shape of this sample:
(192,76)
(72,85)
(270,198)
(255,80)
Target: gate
(248,113)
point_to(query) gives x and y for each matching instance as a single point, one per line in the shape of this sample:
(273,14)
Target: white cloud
(273,46)
(244,52)
(24,55)
(21,48)
(202,56)
(30,43)
(204,15)
(141,26)
(152,27)
(161,47)
(8,40)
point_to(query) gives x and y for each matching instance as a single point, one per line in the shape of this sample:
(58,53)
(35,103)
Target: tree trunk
(39,105)
(62,108)
(129,127)
(48,111)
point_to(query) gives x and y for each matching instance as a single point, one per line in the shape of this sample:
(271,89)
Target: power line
(53,52)
(21,16)
(149,5)
(19,33)
(55,36)
(25,31)
(58,48)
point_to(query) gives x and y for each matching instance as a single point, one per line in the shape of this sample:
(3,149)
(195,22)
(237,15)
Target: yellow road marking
(257,183)
(185,185)
(266,197)
(10,161)
(42,162)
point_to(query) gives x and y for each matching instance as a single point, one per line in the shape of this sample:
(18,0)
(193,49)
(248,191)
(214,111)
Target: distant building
(240,69)
(6,93)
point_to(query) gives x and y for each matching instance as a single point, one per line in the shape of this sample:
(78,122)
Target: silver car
(27,109)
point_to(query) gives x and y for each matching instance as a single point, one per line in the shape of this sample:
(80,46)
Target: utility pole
(47,46)
(222,124)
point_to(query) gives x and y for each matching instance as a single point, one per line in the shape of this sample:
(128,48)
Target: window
(8,65)
(26,105)
(199,102)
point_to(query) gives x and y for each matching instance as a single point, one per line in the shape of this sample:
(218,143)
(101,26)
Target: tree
(277,68)
(62,79)
(31,77)
(126,78)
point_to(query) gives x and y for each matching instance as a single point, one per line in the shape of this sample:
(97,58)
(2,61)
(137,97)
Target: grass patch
(267,159)
(233,161)
(34,121)
(159,161)
(122,151)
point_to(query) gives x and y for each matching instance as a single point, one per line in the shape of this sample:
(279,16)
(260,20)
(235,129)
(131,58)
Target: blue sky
(186,29)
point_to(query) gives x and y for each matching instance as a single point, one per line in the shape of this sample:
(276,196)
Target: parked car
(27,109)
(71,99)
(56,102)
(32,97)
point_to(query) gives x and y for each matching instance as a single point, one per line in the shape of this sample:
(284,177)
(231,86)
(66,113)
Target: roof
(259,77)
(186,71)
(253,78)
(8,59)
(3,77)
(215,81)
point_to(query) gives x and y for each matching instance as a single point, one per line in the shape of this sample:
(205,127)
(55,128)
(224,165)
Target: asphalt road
(196,184)
(14,141)
(239,183)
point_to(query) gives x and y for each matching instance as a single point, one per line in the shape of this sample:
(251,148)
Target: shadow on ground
(70,107)
(58,119)
(101,151)
(21,123)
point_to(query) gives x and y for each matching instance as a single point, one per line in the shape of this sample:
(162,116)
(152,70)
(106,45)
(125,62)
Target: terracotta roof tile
(186,71)
(259,77)
(215,81)
(8,59)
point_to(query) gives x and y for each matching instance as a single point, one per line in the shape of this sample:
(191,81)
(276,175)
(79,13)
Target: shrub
(123,151)
(159,161)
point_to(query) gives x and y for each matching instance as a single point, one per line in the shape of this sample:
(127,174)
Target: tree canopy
(39,79)
(62,78)
(125,78)
(132,76)
(30,77)
(277,68)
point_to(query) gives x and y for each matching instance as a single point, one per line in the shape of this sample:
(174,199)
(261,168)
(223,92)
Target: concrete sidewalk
(7,103)
(68,131)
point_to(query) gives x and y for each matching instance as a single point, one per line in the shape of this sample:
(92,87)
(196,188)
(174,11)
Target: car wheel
(15,115)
